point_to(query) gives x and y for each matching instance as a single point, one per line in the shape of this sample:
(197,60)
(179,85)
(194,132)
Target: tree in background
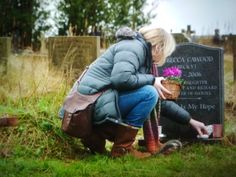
(22,20)
(128,12)
(25,20)
(90,16)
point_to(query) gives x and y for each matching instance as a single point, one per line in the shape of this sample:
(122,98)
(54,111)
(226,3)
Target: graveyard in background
(61,58)
(34,84)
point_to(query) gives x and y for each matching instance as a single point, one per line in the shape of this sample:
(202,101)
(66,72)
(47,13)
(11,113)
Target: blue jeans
(136,105)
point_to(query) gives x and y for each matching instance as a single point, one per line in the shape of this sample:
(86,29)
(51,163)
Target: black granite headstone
(203,92)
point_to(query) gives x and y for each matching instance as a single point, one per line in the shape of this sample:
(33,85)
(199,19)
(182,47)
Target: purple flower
(172,72)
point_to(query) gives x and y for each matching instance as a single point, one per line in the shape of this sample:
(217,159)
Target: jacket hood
(125,33)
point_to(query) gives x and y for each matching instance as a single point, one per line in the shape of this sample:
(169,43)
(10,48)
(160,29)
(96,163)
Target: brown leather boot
(107,130)
(8,121)
(97,140)
(125,137)
(95,143)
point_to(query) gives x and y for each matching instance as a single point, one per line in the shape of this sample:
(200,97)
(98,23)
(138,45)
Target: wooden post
(234,56)
(5,52)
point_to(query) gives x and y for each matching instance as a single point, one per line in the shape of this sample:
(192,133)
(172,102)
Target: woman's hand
(160,88)
(199,126)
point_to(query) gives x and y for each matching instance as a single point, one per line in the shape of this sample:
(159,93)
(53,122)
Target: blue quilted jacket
(124,66)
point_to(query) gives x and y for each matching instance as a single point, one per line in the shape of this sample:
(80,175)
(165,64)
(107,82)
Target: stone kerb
(73,53)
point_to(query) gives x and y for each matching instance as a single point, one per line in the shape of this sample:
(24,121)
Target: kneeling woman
(131,91)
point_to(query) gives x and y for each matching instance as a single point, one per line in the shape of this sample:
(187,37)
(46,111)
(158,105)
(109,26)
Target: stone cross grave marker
(203,92)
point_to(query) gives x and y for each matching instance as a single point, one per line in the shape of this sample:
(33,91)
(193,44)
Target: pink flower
(172,72)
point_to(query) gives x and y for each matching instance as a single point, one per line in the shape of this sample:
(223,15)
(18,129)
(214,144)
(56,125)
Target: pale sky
(203,15)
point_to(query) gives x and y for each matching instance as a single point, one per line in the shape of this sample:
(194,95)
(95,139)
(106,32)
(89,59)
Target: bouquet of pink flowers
(174,74)
(173,82)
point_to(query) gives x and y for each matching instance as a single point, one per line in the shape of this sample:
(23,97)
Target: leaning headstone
(203,92)
(73,53)
(5,51)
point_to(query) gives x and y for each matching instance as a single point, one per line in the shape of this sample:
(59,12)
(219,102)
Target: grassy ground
(37,147)
(194,161)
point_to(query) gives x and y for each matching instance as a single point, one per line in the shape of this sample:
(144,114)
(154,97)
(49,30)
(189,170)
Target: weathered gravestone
(5,50)
(73,52)
(203,93)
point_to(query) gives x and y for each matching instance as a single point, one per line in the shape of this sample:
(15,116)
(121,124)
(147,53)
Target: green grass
(37,147)
(38,132)
(194,161)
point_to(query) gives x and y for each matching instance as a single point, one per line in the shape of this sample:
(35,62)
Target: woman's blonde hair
(160,38)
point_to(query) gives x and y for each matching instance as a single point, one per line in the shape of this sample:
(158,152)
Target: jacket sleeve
(174,112)
(125,74)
